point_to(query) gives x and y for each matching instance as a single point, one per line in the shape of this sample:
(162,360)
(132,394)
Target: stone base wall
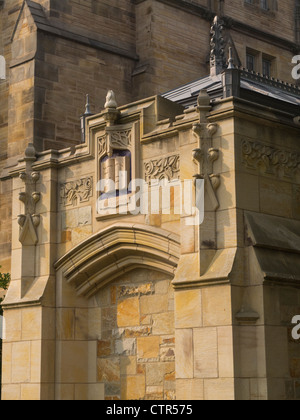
(136,353)
(119,345)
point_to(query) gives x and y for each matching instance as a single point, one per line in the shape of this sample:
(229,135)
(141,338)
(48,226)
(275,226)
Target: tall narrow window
(264,4)
(250,62)
(266,67)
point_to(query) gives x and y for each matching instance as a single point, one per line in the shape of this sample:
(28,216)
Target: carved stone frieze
(270,160)
(164,168)
(76,192)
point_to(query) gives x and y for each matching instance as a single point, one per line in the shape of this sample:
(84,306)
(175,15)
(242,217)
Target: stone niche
(117,166)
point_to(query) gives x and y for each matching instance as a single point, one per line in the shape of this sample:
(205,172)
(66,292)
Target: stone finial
(111,102)
(30,153)
(217,54)
(87,107)
(230,60)
(111,113)
(83,117)
(231,79)
(203,99)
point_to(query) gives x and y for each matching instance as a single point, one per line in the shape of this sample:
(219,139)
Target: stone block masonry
(136,352)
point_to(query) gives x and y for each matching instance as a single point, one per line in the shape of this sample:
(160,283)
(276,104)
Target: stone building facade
(58,51)
(154,305)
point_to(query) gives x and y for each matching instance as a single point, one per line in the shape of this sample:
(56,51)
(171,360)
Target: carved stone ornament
(205,154)
(76,192)
(111,114)
(164,168)
(114,140)
(217,45)
(118,161)
(29,221)
(276,162)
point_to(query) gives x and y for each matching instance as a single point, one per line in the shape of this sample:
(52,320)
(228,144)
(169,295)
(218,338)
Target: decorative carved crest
(76,192)
(276,162)
(164,168)
(120,139)
(114,140)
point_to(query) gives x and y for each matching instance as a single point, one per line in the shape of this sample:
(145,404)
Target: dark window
(250,62)
(264,4)
(266,67)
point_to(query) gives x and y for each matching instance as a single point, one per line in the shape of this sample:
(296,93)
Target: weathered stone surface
(128,312)
(144,289)
(163,323)
(190,389)
(184,353)
(148,348)
(188,309)
(108,370)
(133,387)
(128,365)
(126,346)
(153,304)
(205,353)
(104,348)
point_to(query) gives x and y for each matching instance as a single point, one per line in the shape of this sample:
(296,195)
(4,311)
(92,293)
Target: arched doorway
(115,312)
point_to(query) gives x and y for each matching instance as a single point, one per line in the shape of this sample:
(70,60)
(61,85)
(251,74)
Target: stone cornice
(242,108)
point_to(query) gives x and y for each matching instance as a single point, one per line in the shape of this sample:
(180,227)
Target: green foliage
(4,282)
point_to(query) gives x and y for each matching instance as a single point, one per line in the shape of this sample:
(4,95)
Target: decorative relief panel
(76,192)
(114,140)
(270,160)
(120,139)
(164,168)
(114,152)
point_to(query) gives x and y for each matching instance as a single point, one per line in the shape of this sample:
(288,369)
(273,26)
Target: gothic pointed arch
(116,250)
